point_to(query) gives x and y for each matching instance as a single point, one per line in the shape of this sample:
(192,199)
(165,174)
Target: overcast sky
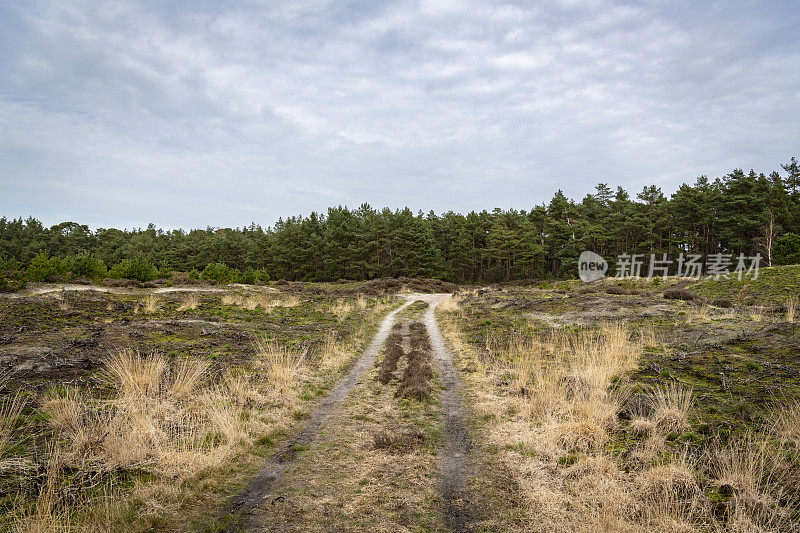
(196,113)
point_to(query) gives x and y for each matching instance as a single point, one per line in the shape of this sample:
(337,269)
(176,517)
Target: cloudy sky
(187,114)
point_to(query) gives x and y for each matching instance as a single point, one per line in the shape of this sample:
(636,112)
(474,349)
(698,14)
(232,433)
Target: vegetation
(741,212)
(626,411)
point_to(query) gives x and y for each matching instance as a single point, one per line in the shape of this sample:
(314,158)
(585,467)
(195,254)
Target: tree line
(738,213)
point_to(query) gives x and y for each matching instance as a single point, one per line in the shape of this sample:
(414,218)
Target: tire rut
(455,467)
(255,494)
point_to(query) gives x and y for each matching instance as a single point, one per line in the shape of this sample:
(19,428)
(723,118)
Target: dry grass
(786,422)
(151,304)
(10,410)
(170,418)
(757,314)
(672,405)
(791,309)
(748,471)
(281,363)
(190,301)
(452,304)
(342,309)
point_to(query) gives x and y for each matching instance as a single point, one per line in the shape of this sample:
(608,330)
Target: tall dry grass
(282,364)
(451,304)
(791,309)
(190,301)
(757,314)
(342,309)
(171,418)
(10,411)
(672,405)
(150,305)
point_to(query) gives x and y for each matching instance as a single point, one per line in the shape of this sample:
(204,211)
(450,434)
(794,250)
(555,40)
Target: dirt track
(453,469)
(258,490)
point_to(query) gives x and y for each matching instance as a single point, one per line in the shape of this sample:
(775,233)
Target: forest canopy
(739,213)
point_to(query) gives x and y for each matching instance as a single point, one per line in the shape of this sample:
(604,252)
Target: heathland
(402,405)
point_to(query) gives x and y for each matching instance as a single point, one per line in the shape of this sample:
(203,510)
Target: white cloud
(204,113)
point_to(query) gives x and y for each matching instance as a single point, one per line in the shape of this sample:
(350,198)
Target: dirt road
(454,462)
(267,503)
(259,488)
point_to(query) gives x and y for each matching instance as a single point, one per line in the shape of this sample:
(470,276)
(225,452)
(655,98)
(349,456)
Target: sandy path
(454,462)
(255,494)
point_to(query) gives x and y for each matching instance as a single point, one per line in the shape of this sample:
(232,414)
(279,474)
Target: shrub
(138,268)
(681,294)
(87,265)
(194,274)
(787,249)
(12,277)
(220,272)
(251,276)
(44,268)
(164,272)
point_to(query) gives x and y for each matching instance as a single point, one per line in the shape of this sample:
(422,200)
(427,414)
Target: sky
(204,113)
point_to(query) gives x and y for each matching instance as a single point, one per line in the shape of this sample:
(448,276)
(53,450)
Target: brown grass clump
(342,309)
(281,363)
(668,482)
(398,441)
(191,301)
(135,375)
(791,309)
(451,304)
(229,299)
(757,314)
(641,427)
(581,436)
(787,422)
(151,305)
(672,405)
(749,473)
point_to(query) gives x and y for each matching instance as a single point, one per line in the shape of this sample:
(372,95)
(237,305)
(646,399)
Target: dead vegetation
(124,448)
(593,451)
(398,440)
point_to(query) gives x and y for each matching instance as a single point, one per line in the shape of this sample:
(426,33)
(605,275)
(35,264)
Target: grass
(770,288)
(791,309)
(152,441)
(190,301)
(591,447)
(281,363)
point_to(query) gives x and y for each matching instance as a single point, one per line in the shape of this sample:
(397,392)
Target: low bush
(45,268)
(681,294)
(87,266)
(254,276)
(221,273)
(139,268)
